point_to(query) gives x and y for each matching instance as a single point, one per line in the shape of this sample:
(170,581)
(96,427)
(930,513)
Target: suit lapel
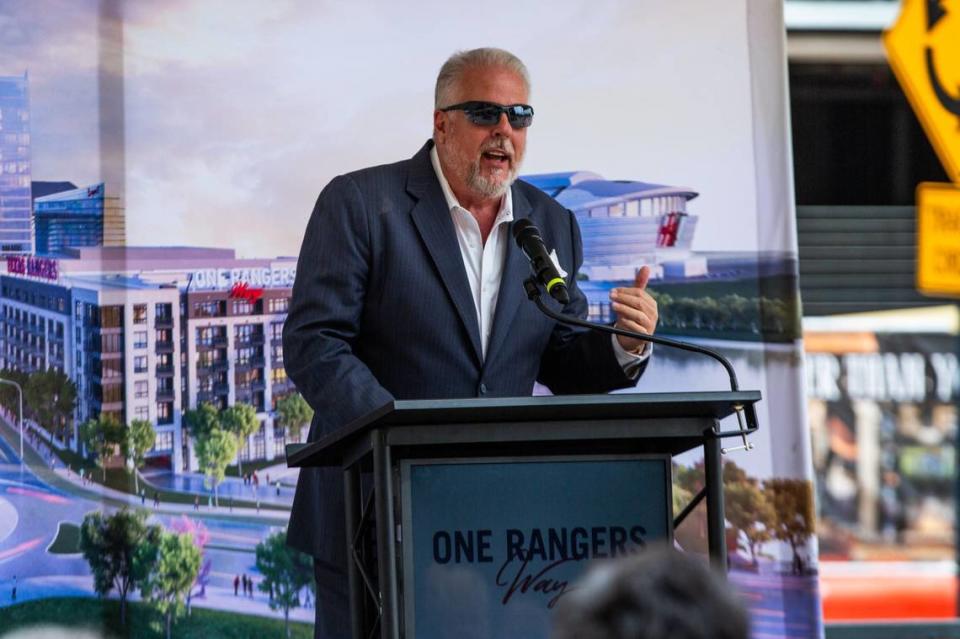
(516,268)
(431,216)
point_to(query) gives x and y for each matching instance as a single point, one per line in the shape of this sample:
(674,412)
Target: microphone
(746,415)
(528,239)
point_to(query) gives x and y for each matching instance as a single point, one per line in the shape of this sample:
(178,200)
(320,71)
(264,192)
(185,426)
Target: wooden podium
(484,510)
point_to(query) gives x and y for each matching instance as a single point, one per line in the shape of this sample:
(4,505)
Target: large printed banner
(883,414)
(215,123)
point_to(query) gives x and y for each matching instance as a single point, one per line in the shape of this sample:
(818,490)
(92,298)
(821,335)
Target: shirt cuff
(630,362)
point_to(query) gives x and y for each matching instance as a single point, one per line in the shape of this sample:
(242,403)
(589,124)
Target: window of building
(139,313)
(244,355)
(276,352)
(276,330)
(111,343)
(278,375)
(141,412)
(112,393)
(140,389)
(242,307)
(209,308)
(164,336)
(259,445)
(139,339)
(111,316)
(164,312)
(278,305)
(140,364)
(164,441)
(110,368)
(165,413)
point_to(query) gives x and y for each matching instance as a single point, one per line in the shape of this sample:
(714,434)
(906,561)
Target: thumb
(643,276)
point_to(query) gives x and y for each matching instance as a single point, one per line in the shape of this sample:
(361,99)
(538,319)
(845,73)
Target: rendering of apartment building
(148,332)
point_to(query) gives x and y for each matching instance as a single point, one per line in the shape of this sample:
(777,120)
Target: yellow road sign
(938,238)
(924,51)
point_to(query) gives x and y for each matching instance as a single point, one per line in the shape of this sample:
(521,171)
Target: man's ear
(439,125)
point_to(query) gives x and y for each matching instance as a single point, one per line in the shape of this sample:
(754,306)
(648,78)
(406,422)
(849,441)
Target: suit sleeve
(579,360)
(322,324)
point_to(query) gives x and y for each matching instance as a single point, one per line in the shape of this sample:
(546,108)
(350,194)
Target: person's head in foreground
(657,594)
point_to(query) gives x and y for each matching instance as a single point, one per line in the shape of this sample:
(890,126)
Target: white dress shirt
(484,261)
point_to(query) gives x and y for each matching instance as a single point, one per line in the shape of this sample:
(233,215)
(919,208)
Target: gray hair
(455,66)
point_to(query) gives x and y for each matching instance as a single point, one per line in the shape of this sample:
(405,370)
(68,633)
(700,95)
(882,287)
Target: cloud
(237,113)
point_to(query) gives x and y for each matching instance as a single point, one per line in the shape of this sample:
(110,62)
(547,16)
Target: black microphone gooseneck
(529,240)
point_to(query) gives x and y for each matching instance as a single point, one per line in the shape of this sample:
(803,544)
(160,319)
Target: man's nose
(503,125)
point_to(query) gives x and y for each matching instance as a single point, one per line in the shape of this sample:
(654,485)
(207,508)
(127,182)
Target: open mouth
(500,158)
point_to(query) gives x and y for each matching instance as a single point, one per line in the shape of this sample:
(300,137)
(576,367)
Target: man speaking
(409,287)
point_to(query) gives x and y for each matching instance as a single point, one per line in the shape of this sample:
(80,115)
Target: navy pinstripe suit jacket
(382,310)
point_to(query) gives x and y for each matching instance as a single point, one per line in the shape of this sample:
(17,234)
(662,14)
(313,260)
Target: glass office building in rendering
(15,234)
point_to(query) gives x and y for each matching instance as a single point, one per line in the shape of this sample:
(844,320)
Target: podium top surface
(707,405)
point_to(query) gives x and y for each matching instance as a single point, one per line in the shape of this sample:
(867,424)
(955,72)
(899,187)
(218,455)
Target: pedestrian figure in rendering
(658,594)
(156,499)
(236,585)
(13,593)
(143,497)
(196,502)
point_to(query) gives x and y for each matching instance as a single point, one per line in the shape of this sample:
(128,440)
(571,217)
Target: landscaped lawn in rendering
(103,618)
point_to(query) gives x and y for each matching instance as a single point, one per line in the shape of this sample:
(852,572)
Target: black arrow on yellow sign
(936,13)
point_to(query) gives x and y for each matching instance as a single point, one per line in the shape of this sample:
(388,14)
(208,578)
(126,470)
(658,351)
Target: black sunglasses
(488,113)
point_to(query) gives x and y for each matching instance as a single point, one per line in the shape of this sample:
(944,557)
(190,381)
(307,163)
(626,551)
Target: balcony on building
(255,361)
(252,339)
(164,370)
(217,365)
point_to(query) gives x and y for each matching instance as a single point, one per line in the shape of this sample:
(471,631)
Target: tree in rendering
(215,450)
(51,397)
(792,501)
(240,420)
(139,438)
(9,397)
(101,437)
(294,413)
(173,574)
(747,509)
(285,573)
(121,550)
(201,536)
(201,420)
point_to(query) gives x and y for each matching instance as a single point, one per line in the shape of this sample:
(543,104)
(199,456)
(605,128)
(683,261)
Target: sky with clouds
(236,113)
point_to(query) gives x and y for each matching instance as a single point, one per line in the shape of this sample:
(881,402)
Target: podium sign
(495,544)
